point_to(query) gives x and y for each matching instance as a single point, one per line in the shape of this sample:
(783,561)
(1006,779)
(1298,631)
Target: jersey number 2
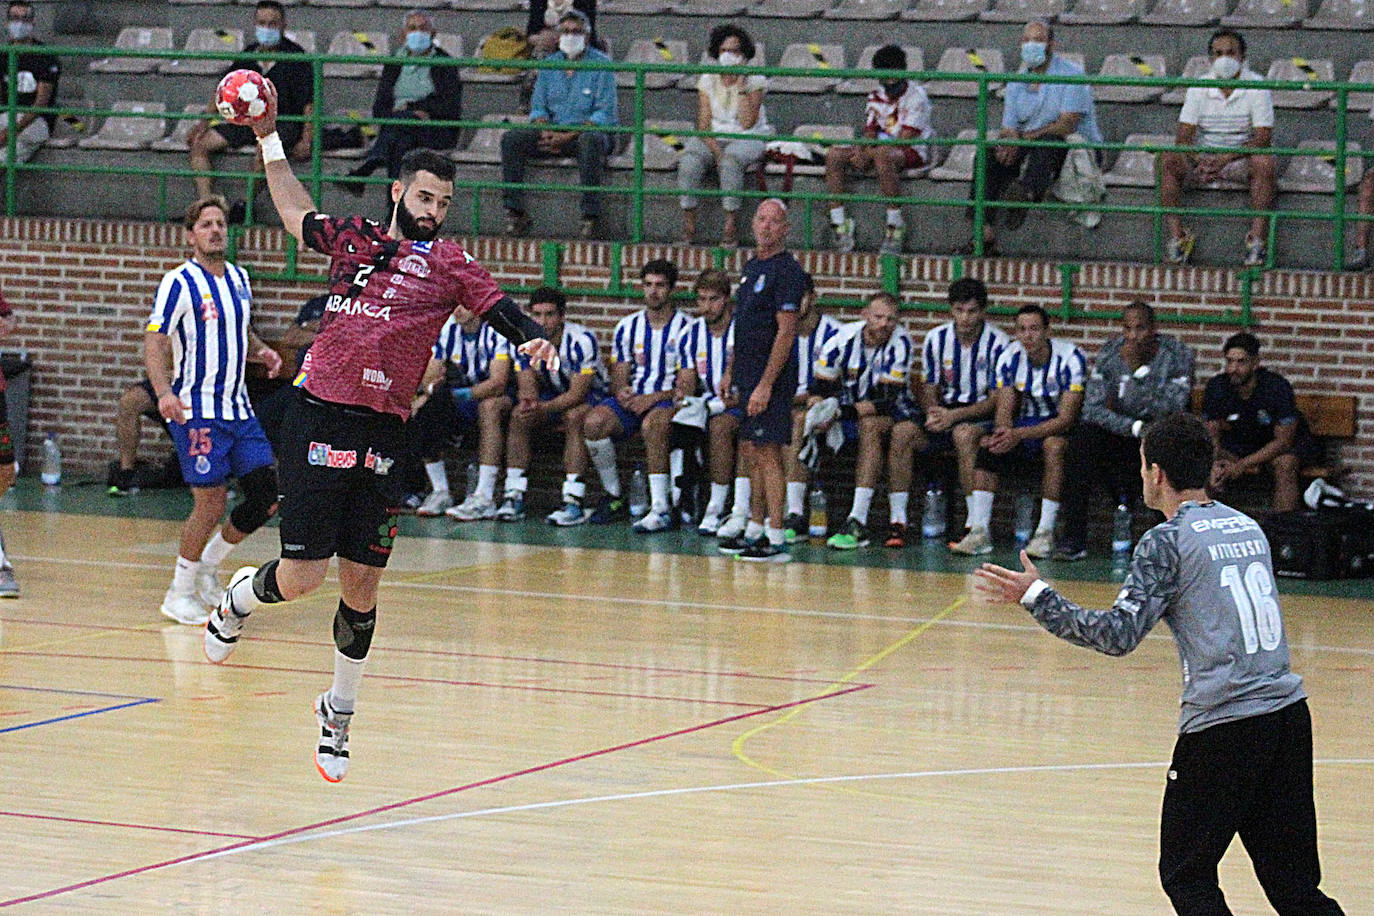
(1260,623)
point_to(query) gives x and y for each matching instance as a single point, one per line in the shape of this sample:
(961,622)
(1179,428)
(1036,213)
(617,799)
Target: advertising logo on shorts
(324,455)
(378,465)
(414,265)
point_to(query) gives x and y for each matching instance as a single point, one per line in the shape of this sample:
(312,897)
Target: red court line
(505,777)
(82,820)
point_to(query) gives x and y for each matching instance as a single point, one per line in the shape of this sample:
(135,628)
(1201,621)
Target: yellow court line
(737,746)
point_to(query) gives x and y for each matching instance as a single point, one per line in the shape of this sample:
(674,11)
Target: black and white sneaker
(736,545)
(764,551)
(331,757)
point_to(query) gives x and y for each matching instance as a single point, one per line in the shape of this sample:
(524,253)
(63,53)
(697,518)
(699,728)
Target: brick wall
(82,289)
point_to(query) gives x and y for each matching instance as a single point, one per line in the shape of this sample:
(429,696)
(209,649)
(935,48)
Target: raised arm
(289,196)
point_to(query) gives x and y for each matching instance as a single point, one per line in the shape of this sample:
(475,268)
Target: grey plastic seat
(654,51)
(805,132)
(1363,73)
(1266,14)
(359,44)
(1135,168)
(958,162)
(965,60)
(1196,66)
(866,9)
(944,10)
(303,37)
(71,127)
(1185,12)
(175,142)
(791,9)
(343,3)
(1023,10)
(1345,15)
(368,133)
(131,130)
(808,56)
(451,43)
(715,8)
(135,38)
(202,40)
(634,7)
(485,146)
(661,150)
(860,85)
(429,4)
(476,6)
(1303,69)
(1104,12)
(1315,173)
(1135,65)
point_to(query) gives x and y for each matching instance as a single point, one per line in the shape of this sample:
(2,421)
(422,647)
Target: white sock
(348,674)
(837,215)
(981,516)
(897,506)
(743,491)
(774,535)
(796,497)
(968,504)
(719,493)
(516,481)
(658,493)
(184,579)
(894,217)
(574,489)
(603,459)
(863,497)
(675,462)
(3,561)
(245,601)
(212,557)
(438,477)
(1049,513)
(486,481)
(753,531)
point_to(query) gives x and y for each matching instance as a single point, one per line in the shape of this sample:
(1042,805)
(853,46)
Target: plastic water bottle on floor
(933,520)
(639,494)
(1025,518)
(1121,530)
(819,525)
(52,461)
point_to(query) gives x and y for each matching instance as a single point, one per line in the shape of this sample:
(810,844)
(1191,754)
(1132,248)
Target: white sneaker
(208,588)
(1041,545)
(710,524)
(733,527)
(223,627)
(9,586)
(654,521)
(331,755)
(436,503)
(569,515)
(184,607)
(975,543)
(512,508)
(475,508)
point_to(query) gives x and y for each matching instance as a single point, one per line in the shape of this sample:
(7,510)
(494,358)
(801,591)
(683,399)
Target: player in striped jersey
(1040,384)
(644,364)
(814,331)
(704,352)
(200,327)
(560,399)
(960,361)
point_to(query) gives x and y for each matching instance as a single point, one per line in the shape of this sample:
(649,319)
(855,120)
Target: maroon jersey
(388,299)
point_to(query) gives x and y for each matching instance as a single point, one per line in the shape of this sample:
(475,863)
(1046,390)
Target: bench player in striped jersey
(644,364)
(814,331)
(1040,383)
(200,327)
(560,399)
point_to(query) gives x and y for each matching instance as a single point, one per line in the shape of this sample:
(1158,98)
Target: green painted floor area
(88,497)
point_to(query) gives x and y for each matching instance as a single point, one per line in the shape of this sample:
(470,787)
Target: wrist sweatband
(271,147)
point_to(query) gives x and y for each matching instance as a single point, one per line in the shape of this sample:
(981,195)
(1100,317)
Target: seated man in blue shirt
(1036,111)
(564,98)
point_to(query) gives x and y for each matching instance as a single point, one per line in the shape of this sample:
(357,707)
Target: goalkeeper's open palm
(540,352)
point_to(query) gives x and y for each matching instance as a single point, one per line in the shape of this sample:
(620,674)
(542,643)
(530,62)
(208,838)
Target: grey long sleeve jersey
(1116,397)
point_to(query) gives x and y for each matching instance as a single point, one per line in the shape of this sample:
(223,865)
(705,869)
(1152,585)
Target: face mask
(1225,68)
(893,89)
(19,31)
(418,42)
(1033,53)
(267,37)
(731,58)
(572,45)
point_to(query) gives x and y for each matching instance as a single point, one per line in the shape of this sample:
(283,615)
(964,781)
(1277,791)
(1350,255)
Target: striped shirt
(1227,120)
(1042,387)
(651,354)
(706,353)
(859,366)
(809,349)
(579,353)
(473,354)
(206,318)
(964,375)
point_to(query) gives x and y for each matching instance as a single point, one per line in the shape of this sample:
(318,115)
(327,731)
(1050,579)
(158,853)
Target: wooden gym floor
(590,728)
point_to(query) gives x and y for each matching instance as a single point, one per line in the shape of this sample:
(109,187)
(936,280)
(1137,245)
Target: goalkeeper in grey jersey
(1243,760)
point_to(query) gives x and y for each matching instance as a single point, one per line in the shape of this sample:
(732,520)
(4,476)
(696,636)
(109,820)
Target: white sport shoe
(654,521)
(475,508)
(331,755)
(733,527)
(512,508)
(436,503)
(975,543)
(223,627)
(1041,544)
(9,586)
(710,524)
(184,607)
(569,515)
(208,588)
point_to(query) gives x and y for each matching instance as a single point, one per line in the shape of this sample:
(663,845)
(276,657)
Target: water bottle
(473,475)
(819,525)
(52,461)
(933,521)
(1025,518)
(1121,529)
(639,494)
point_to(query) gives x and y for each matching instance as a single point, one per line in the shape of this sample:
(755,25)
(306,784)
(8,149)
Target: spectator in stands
(957,391)
(1237,119)
(418,92)
(1255,422)
(1360,260)
(897,110)
(559,399)
(1138,377)
(564,98)
(866,368)
(1036,111)
(1040,384)
(814,331)
(731,104)
(35,84)
(704,353)
(295,98)
(542,27)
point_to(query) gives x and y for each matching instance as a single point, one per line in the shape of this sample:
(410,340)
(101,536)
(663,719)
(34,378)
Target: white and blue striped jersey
(810,347)
(651,354)
(206,318)
(579,353)
(964,375)
(473,354)
(1042,387)
(859,367)
(708,354)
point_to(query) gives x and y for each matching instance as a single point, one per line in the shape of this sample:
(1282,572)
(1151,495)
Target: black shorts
(336,466)
(1028,455)
(238,135)
(774,425)
(6,443)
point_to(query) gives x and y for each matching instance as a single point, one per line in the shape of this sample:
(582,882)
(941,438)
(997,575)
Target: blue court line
(137,701)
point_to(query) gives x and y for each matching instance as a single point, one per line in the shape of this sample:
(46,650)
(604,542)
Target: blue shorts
(467,412)
(211,450)
(629,422)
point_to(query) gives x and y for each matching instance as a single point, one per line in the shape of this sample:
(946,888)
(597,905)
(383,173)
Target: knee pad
(259,500)
(353,631)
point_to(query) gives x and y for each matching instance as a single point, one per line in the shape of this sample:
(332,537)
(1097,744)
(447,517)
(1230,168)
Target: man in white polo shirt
(1237,119)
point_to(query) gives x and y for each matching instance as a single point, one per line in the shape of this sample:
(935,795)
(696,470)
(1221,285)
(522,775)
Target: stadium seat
(175,142)
(791,9)
(241,2)
(346,3)
(1348,15)
(373,44)
(634,7)
(661,150)
(760,59)
(944,10)
(859,85)
(201,40)
(303,37)
(805,132)
(1196,66)
(483,75)
(1301,69)
(71,127)
(1023,10)
(194,3)
(1315,173)
(866,9)
(433,4)
(958,162)
(1362,72)
(485,146)
(808,56)
(135,38)
(654,51)
(451,43)
(475,6)
(1103,12)
(131,131)
(1136,65)
(715,8)
(1135,168)
(965,60)
(1266,14)
(1185,12)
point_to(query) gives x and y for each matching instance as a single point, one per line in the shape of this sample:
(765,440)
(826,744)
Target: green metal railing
(641,195)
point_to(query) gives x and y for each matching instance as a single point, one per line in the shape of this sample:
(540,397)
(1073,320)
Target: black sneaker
(122,484)
(1069,553)
(737,544)
(764,551)
(795,529)
(610,509)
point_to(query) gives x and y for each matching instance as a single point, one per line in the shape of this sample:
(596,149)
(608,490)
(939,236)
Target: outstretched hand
(267,124)
(997,583)
(540,353)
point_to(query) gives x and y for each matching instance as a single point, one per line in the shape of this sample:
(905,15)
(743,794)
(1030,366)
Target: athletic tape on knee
(259,500)
(265,587)
(353,631)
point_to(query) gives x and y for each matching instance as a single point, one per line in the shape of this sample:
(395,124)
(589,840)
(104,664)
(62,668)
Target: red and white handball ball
(241,97)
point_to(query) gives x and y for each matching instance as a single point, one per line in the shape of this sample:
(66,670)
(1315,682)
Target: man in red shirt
(391,289)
